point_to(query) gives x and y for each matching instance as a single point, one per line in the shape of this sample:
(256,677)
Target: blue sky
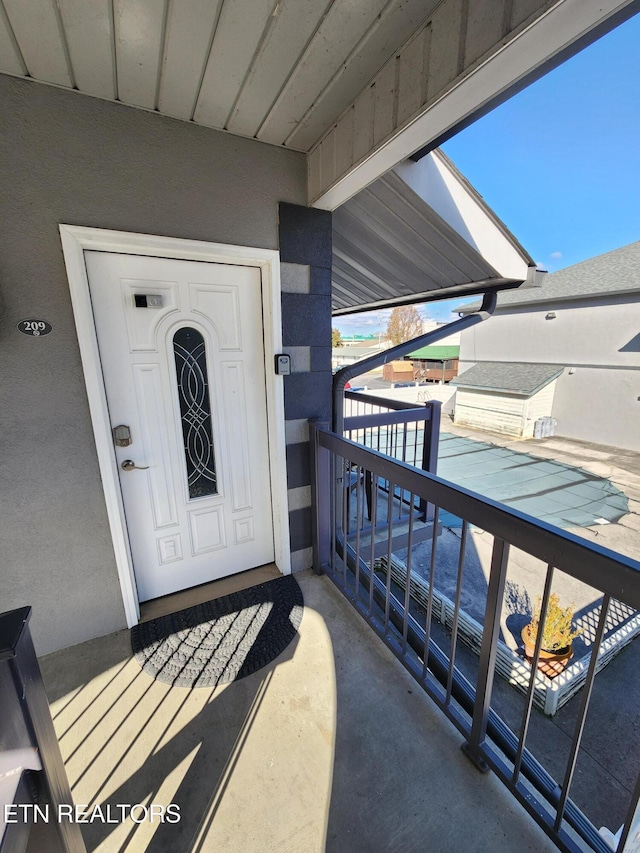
(559,162)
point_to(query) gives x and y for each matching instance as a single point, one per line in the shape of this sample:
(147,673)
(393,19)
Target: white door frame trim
(77,239)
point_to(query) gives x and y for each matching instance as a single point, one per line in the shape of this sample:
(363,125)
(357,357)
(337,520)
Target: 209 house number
(35,328)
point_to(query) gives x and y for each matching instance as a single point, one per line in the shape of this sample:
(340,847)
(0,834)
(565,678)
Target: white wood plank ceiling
(280,71)
(358,85)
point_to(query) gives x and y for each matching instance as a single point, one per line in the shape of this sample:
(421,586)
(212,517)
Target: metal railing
(406,431)
(340,379)
(34,779)
(350,550)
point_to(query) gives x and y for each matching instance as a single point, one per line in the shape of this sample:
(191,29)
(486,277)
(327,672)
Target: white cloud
(367,322)
(555,255)
(372,322)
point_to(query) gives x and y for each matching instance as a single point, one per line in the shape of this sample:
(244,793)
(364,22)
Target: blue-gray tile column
(305,256)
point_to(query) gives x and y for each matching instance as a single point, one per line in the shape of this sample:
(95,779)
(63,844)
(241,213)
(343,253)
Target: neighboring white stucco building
(450,341)
(341,356)
(586,318)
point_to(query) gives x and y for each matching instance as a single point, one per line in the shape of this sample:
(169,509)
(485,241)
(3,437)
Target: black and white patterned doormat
(220,640)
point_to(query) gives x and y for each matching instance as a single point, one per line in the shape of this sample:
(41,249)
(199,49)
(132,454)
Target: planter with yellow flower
(558,634)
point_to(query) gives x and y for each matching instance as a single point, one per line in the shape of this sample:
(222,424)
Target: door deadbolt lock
(122,435)
(130,465)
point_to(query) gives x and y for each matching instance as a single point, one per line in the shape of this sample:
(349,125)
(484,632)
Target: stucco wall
(599,405)
(598,338)
(66,158)
(589,332)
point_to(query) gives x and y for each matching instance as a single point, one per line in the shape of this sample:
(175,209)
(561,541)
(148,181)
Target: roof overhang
(357,85)
(418,234)
(466,63)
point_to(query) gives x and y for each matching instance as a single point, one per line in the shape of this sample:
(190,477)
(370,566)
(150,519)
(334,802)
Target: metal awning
(421,233)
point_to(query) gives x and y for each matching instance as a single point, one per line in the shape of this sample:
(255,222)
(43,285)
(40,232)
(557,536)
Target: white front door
(182,355)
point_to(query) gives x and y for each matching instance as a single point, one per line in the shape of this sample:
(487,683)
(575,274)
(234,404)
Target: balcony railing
(405,431)
(361,496)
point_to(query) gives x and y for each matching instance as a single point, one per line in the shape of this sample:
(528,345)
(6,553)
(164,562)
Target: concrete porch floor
(332,747)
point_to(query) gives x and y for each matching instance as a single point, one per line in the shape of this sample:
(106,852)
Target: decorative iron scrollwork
(195,411)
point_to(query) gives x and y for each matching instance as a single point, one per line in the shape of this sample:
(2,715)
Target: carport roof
(436,353)
(511,377)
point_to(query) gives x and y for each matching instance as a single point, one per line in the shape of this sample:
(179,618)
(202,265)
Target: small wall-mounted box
(148,300)
(283,364)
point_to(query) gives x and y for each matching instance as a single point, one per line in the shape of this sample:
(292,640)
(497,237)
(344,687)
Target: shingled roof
(514,377)
(613,273)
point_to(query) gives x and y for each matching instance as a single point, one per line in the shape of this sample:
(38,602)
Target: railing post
(488,651)
(628,836)
(26,723)
(320,499)
(430,443)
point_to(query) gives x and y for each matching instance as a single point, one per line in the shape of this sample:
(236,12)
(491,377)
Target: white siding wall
(538,406)
(504,413)
(490,411)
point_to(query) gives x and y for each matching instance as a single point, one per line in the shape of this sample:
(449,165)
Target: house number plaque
(35,328)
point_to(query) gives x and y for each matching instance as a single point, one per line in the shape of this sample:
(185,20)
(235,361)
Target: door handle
(129,465)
